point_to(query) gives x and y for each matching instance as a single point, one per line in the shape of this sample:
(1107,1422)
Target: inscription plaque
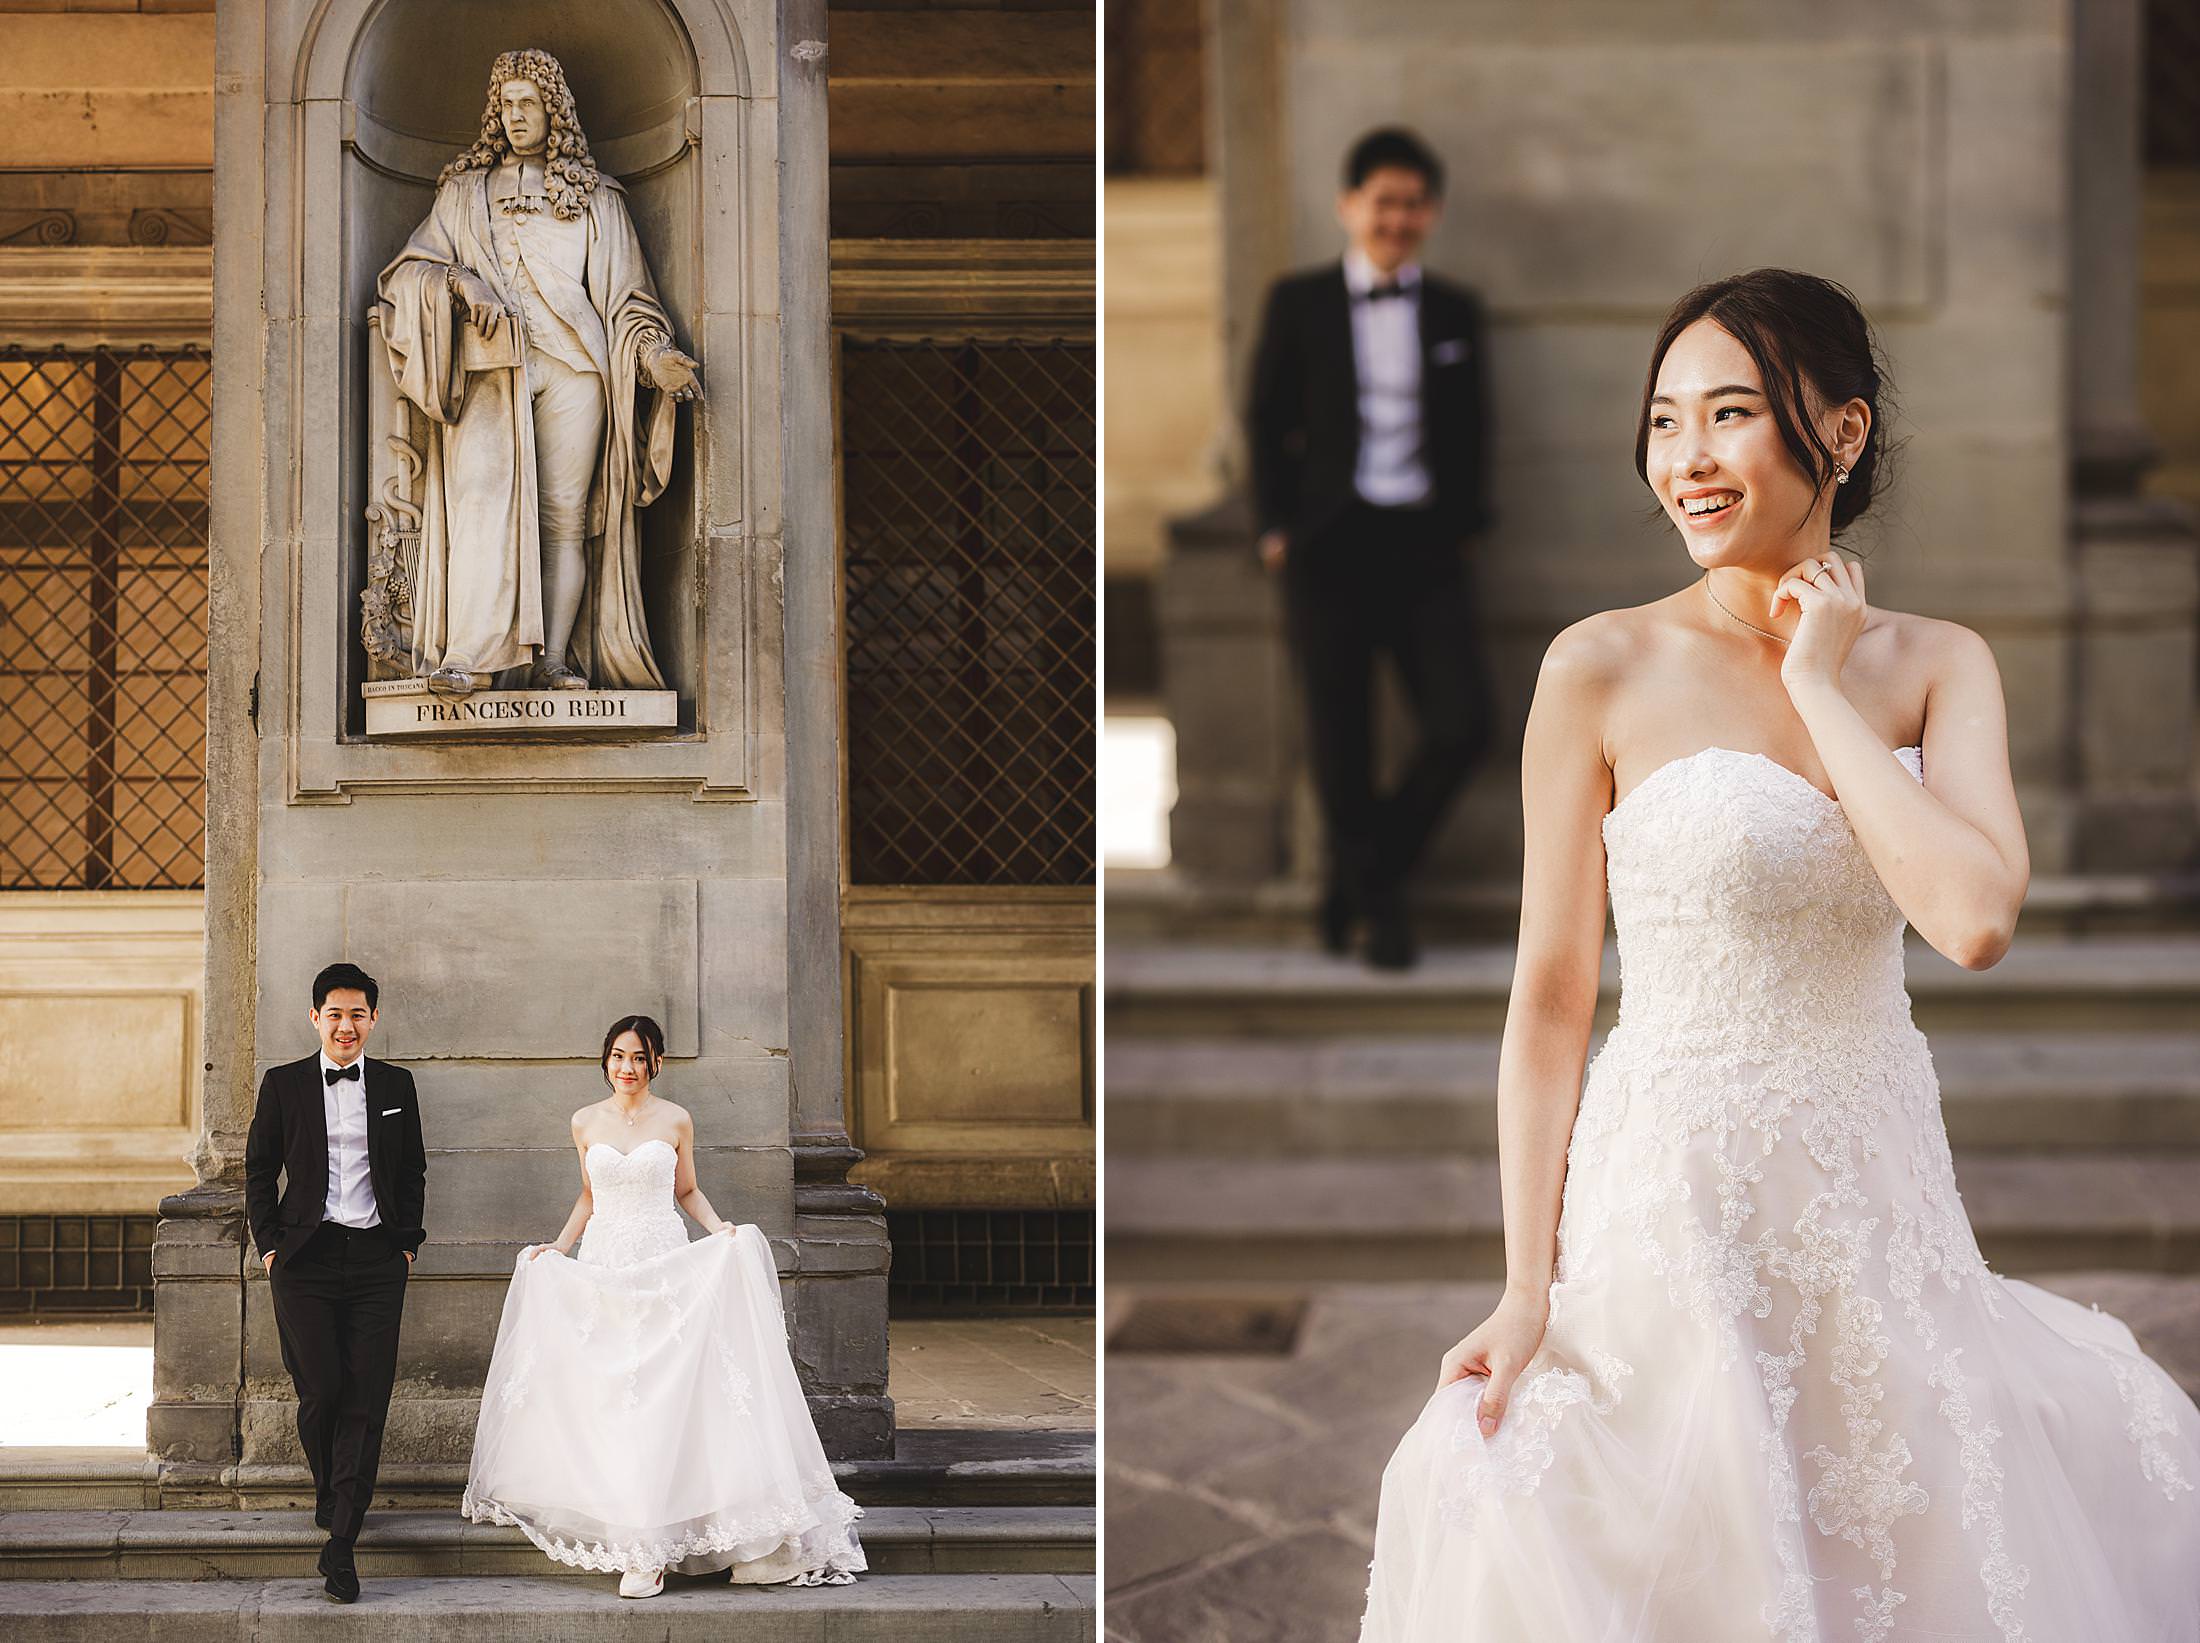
(406,707)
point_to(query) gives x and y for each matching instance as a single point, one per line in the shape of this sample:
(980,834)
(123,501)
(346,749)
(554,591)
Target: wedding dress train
(1781,1396)
(641,1410)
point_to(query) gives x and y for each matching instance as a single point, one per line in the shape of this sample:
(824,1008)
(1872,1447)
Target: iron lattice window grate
(985,1259)
(76,1263)
(968,505)
(103,565)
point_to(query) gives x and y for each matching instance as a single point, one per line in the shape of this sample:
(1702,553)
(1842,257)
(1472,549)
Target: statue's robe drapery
(477,599)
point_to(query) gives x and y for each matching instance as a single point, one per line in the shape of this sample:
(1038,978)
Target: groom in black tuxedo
(1370,444)
(338,1242)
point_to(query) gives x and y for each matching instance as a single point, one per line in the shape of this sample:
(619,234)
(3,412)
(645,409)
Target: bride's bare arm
(1565,791)
(1951,852)
(583,1206)
(685,1192)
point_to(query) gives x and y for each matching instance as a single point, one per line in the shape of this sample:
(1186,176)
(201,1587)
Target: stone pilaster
(2133,557)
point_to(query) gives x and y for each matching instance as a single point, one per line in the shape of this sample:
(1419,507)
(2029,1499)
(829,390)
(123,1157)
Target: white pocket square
(391,1112)
(1451,353)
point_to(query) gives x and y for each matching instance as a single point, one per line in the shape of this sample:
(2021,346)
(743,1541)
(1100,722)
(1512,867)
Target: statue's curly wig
(569,168)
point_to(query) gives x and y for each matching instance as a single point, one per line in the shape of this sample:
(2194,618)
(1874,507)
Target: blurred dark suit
(1377,471)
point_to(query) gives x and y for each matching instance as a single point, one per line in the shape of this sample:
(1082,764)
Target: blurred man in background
(1370,454)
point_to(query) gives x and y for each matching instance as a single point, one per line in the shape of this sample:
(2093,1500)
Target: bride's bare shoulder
(1919,655)
(1594,653)
(1920,639)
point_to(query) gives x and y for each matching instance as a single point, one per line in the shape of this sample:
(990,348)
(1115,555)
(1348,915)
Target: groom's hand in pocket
(267,1262)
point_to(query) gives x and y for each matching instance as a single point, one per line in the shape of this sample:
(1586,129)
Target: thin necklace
(646,1100)
(1745,621)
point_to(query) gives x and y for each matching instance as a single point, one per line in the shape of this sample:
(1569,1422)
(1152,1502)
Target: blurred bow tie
(330,1075)
(1376,293)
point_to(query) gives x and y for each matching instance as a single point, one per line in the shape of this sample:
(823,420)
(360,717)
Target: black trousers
(337,1305)
(1377,581)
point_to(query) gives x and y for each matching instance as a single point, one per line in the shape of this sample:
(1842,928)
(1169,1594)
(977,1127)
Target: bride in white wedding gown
(641,1411)
(1750,1377)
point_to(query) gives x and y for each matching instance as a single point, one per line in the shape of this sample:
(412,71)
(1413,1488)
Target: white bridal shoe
(638,1583)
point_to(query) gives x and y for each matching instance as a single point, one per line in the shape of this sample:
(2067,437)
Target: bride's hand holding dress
(1497,1349)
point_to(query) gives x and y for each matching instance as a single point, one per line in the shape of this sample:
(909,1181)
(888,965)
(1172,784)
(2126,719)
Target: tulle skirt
(1639,1513)
(1782,1399)
(648,1416)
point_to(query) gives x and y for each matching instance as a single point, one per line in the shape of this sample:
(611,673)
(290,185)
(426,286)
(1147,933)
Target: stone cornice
(973,287)
(121,295)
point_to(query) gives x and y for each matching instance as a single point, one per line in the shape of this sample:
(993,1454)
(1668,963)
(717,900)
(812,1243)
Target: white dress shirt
(350,1188)
(1386,358)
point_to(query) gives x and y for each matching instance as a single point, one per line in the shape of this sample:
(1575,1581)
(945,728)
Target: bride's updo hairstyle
(1813,348)
(651,1035)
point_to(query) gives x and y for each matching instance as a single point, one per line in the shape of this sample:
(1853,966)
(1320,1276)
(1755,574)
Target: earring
(1840,474)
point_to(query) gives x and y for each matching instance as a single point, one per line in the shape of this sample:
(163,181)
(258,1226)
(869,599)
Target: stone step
(2098,984)
(180,1545)
(1420,1218)
(1248,1097)
(954,1608)
(1155,906)
(929,1467)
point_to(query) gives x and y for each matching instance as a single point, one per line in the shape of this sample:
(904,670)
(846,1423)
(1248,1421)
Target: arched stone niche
(391,91)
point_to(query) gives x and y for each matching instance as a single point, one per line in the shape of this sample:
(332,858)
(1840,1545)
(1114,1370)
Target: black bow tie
(1376,293)
(330,1075)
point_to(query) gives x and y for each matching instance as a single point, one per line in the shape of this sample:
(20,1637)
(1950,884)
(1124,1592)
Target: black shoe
(342,1582)
(324,1516)
(1390,943)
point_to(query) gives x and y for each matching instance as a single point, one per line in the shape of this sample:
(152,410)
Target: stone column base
(836,1302)
(198,1331)
(2138,603)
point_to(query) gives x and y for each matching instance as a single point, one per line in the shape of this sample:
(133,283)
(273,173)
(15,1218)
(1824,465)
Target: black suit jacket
(290,1133)
(1305,412)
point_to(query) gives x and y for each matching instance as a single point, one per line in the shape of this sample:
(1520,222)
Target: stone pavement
(1241,1488)
(1035,1373)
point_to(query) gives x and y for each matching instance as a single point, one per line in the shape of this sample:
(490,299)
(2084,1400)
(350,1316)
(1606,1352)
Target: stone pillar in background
(2133,556)
(1226,680)
(513,893)
(1919,159)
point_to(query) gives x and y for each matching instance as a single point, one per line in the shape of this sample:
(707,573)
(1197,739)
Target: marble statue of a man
(522,321)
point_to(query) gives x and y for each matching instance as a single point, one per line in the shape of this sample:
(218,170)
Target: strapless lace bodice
(1748,914)
(634,1217)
